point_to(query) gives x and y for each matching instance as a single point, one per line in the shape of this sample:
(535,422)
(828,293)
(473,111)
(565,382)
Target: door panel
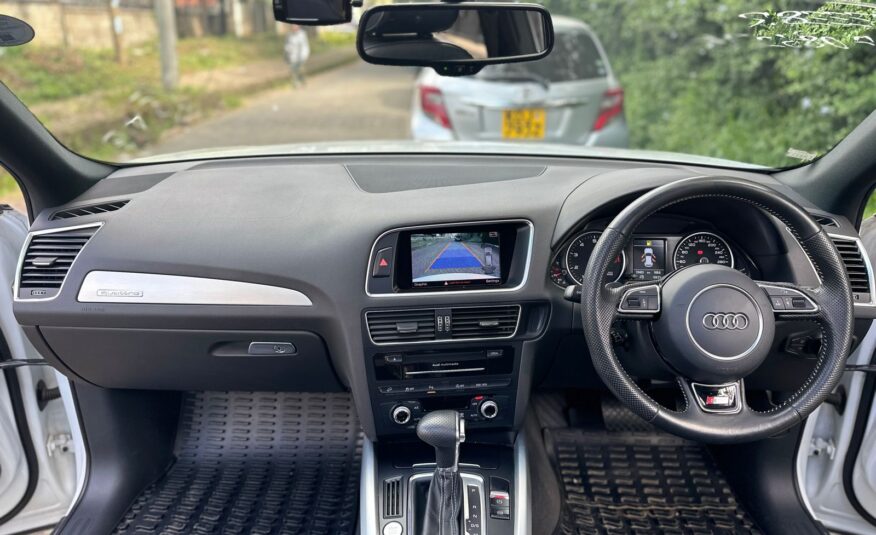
(13,463)
(864,473)
(38,466)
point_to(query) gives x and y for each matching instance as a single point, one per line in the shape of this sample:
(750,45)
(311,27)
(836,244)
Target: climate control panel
(478,409)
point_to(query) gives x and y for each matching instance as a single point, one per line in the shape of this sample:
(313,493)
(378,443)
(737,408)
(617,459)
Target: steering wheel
(714,325)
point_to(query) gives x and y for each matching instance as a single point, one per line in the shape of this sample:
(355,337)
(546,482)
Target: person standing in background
(297,50)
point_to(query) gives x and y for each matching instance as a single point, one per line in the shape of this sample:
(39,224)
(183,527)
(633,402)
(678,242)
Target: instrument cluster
(646,257)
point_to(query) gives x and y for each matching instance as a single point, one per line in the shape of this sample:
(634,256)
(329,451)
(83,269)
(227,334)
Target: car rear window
(574,57)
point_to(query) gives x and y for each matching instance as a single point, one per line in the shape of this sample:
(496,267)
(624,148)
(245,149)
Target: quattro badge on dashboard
(119,293)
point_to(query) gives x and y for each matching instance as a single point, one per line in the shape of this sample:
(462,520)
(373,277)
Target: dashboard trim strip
(522,519)
(368,523)
(154,288)
(454,292)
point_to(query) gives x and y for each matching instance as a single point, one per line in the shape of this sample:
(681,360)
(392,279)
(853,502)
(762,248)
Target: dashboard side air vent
(825,221)
(48,258)
(389,326)
(392,498)
(856,266)
(88,210)
(485,322)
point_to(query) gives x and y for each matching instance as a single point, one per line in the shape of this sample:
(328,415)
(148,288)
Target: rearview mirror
(455,39)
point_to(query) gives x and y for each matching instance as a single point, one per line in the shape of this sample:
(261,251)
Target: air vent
(48,259)
(825,221)
(401,325)
(485,322)
(88,210)
(392,498)
(856,267)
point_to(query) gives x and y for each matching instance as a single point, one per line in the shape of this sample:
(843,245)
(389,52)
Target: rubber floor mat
(260,463)
(641,483)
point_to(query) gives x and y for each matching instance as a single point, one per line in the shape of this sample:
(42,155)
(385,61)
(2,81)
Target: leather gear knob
(444,431)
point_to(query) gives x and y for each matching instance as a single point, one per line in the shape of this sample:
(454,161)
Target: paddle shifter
(444,431)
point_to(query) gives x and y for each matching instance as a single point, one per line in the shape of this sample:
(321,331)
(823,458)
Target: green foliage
(42,74)
(329,39)
(201,54)
(714,77)
(870,209)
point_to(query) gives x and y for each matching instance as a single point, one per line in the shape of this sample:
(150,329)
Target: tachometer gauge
(703,248)
(578,254)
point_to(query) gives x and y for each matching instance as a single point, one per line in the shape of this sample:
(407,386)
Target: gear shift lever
(444,431)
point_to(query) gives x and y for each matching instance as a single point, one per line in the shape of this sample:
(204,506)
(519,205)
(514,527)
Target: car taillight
(612,106)
(432,102)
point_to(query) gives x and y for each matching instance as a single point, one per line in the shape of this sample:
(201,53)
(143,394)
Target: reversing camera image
(455,257)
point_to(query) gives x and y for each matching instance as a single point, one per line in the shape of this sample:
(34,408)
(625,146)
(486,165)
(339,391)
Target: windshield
(734,83)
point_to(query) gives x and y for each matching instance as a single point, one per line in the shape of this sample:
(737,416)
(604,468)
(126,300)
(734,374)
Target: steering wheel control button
(722,399)
(789,300)
(393,528)
(271,348)
(642,300)
(382,267)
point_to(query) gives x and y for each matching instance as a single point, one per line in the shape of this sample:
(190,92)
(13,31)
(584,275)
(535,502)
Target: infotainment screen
(448,259)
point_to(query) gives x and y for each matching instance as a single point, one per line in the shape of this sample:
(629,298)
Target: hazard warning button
(382,263)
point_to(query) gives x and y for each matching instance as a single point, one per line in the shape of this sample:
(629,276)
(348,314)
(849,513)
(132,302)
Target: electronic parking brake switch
(500,498)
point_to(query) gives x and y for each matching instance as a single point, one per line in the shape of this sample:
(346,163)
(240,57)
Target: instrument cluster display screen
(649,259)
(448,259)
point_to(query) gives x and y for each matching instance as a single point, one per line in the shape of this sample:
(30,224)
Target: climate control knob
(401,415)
(489,409)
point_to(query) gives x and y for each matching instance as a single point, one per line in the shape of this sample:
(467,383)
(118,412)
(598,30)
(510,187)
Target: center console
(460,358)
(463,358)
(490,493)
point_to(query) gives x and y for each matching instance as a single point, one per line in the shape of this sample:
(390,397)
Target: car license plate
(527,123)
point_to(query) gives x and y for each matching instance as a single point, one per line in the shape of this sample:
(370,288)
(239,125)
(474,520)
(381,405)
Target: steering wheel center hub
(724,322)
(713,327)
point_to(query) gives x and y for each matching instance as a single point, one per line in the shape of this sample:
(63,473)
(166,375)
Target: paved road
(356,101)
(448,256)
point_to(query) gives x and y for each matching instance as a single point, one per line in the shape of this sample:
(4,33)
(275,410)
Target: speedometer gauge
(578,255)
(703,248)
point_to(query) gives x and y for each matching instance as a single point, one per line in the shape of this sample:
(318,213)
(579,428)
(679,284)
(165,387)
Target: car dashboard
(247,274)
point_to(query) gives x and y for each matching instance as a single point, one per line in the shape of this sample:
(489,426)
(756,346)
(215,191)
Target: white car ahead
(571,97)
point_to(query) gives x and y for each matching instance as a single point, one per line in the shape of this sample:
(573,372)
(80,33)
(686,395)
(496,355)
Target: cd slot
(402,366)
(414,373)
(413,359)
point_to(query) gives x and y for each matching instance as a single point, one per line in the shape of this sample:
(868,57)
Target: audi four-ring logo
(722,321)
